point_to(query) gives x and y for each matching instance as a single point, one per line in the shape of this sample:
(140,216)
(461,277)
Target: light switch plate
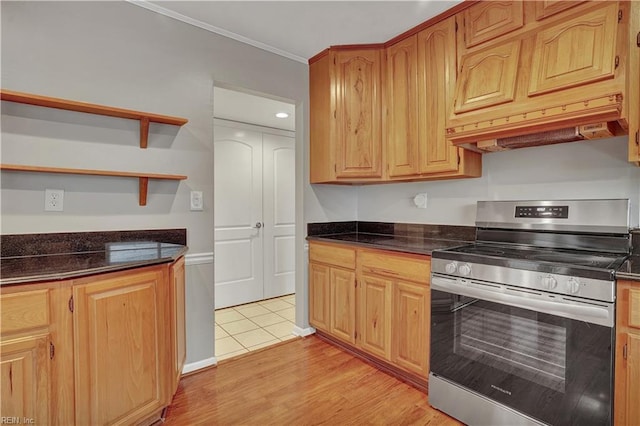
(197,202)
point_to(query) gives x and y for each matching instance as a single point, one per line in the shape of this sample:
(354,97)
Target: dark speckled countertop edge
(433,243)
(78,273)
(630,269)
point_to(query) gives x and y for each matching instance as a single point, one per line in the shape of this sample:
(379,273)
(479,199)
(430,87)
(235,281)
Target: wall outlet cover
(53,200)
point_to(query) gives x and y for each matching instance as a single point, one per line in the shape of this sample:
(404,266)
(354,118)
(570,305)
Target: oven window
(554,369)
(514,344)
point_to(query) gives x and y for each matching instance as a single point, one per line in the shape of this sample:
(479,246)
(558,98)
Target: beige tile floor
(245,328)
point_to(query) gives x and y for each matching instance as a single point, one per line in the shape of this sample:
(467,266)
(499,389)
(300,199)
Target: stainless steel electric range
(522,320)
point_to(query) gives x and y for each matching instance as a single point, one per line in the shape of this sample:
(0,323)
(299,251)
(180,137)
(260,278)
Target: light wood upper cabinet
(120,354)
(402,108)
(488,20)
(627,363)
(421,76)
(345,116)
(358,113)
(488,77)
(559,70)
(575,52)
(436,88)
(633,82)
(546,8)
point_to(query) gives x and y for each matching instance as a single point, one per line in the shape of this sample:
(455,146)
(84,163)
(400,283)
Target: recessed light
(282,115)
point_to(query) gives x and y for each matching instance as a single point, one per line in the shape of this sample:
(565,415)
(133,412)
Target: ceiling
(300,29)
(296,30)
(246,108)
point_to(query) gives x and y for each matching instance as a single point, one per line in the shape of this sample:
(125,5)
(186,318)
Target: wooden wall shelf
(144,117)
(143,178)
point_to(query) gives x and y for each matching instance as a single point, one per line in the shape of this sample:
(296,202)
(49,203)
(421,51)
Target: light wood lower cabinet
(104,349)
(378,303)
(178,323)
(332,289)
(375,298)
(120,354)
(627,377)
(342,310)
(411,327)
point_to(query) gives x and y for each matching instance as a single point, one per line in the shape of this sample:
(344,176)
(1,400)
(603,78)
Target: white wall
(115,53)
(587,169)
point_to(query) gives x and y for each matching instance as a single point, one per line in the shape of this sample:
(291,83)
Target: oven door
(502,343)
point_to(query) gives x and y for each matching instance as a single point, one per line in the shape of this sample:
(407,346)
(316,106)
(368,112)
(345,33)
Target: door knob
(258,225)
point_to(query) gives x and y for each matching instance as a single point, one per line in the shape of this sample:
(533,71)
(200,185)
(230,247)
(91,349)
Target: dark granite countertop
(27,258)
(389,242)
(630,269)
(403,237)
(116,257)
(423,239)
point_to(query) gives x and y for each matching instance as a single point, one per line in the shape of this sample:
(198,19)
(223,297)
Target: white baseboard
(198,258)
(303,332)
(198,365)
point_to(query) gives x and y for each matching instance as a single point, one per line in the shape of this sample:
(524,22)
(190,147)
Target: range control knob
(549,282)
(464,269)
(451,268)
(573,285)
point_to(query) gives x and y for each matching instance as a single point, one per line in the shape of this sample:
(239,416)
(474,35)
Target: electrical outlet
(196,200)
(53,200)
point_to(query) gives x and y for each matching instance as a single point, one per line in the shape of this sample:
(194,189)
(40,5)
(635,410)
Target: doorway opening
(254,221)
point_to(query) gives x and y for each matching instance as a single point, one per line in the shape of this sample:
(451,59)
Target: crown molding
(208,27)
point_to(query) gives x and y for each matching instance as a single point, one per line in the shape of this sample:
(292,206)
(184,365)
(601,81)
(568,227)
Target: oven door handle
(594,313)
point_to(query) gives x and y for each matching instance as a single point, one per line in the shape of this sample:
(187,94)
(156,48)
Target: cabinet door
(436,87)
(633,83)
(575,51)
(488,77)
(402,108)
(319,294)
(411,327)
(546,8)
(120,353)
(25,379)
(343,304)
(178,323)
(633,378)
(358,113)
(487,20)
(374,305)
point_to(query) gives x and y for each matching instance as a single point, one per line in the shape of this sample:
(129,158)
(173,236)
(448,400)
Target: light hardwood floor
(299,382)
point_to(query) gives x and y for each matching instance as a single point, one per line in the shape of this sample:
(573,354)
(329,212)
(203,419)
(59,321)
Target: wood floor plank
(305,381)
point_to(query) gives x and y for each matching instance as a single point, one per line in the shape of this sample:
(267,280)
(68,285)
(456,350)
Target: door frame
(302,326)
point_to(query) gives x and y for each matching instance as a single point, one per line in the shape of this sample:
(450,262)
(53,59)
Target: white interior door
(279,214)
(237,210)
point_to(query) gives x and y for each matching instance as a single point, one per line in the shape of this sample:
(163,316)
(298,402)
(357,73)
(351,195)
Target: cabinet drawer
(404,266)
(332,254)
(23,311)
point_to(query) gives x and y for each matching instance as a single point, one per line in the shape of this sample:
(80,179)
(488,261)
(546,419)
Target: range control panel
(554,212)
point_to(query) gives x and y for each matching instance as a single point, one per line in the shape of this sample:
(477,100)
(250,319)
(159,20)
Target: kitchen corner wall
(121,55)
(587,169)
